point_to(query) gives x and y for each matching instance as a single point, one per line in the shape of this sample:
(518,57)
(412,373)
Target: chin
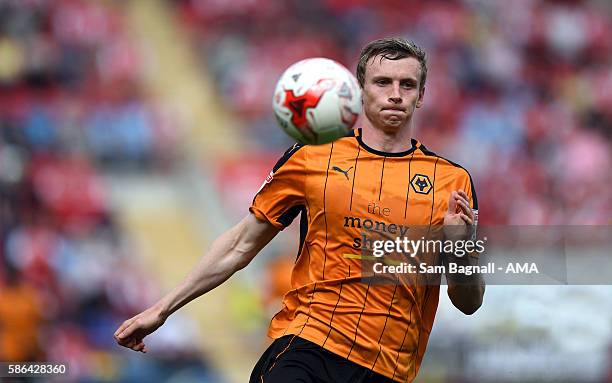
(393,128)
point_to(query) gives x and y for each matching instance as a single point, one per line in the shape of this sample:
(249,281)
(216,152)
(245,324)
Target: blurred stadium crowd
(519,92)
(72,108)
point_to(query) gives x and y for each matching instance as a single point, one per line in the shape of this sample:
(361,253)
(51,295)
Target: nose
(395,96)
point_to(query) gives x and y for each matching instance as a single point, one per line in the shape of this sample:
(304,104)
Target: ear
(419,102)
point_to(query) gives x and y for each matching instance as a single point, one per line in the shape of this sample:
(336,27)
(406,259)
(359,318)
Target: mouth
(395,109)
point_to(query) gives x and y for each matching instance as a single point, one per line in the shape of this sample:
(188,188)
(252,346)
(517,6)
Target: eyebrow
(407,79)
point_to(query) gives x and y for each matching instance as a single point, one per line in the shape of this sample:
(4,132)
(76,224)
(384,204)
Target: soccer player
(336,325)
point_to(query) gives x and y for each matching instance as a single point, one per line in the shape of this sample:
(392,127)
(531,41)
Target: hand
(459,218)
(132,332)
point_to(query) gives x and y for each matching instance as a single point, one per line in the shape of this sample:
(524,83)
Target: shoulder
(447,164)
(454,170)
(289,155)
(300,151)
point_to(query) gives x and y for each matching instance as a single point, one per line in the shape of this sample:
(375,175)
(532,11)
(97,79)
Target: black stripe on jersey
(416,353)
(331,150)
(314,289)
(433,194)
(403,340)
(304,221)
(303,231)
(288,153)
(281,161)
(289,215)
(408,187)
(382,173)
(365,299)
(297,292)
(474,197)
(307,252)
(384,327)
(354,176)
(334,311)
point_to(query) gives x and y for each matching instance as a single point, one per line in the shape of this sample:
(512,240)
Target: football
(317,101)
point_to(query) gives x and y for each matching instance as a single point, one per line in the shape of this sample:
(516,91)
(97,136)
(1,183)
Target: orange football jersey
(341,190)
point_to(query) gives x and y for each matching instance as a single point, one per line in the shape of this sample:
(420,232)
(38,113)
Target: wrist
(460,232)
(162,310)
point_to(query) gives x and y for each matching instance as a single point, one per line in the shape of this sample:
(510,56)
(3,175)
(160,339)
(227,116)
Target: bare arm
(465,291)
(232,251)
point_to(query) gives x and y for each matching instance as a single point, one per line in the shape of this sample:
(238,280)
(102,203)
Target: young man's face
(391,92)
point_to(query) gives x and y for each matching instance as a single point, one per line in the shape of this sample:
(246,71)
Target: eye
(381,81)
(407,84)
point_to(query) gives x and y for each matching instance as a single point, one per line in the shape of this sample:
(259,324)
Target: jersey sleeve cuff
(260,215)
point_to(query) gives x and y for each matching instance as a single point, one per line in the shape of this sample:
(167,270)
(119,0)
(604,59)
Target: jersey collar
(358,136)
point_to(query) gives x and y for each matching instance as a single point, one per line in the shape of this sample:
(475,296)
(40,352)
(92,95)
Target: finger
(124,326)
(452,203)
(463,194)
(460,198)
(132,329)
(121,328)
(125,333)
(463,198)
(139,347)
(124,342)
(129,340)
(135,344)
(466,219)
(465,207)
(130,343)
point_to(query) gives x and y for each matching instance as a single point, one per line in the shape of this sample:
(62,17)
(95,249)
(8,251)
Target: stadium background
(132,133)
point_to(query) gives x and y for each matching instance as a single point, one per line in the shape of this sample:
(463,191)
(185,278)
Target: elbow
(470,307)
(468,302)
(241,254)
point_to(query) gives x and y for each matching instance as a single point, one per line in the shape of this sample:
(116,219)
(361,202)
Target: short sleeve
(281,197)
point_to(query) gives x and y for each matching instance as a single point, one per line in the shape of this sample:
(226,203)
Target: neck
(389,142)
